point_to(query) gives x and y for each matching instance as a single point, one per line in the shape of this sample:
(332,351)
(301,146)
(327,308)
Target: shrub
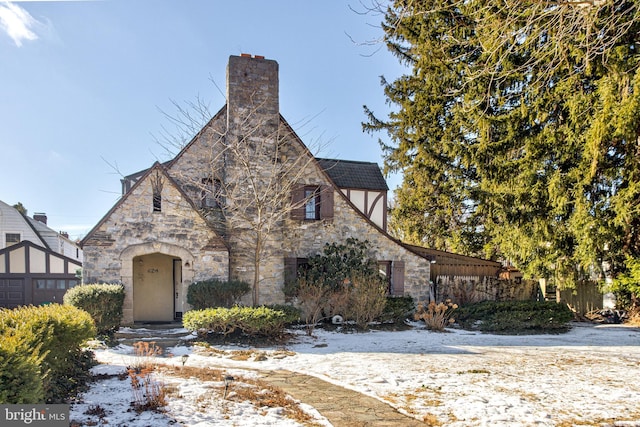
(216,293)
(20,379)
(53,334)
(339,262)
(102,301)
(436,316)
(311,298)
(397,309)
(626,285)
(367,298)
(292,313)
(515,317)
(249,320)
(343,280)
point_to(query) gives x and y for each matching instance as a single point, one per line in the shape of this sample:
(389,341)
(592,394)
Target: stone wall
(255,154)
(134,229)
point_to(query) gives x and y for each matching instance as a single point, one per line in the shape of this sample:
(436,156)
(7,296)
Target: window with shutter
(312,202)
(384,268)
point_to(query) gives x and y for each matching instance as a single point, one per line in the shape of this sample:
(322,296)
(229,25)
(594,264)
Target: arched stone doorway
(156,277)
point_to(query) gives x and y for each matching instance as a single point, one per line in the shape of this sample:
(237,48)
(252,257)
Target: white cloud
(17,23)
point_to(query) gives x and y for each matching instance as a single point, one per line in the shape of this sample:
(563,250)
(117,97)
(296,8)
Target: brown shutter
(297,205)
(326,202)
(290,270)
(397,278)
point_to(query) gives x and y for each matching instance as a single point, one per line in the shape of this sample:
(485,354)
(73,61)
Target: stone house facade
(245,199)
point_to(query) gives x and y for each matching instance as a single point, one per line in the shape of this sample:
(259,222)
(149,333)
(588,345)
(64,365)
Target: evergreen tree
(517,130)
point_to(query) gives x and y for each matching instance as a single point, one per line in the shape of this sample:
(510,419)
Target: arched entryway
(156,277)
(155,280)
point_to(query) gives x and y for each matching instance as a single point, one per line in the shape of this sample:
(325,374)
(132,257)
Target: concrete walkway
(341,406)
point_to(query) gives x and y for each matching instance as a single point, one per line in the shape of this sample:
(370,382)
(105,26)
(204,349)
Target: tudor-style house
(37,264)
(246,180)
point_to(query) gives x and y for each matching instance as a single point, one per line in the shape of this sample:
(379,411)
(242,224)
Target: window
(156,186)
(312,204)
(157,202)
(293,268)
(309,203)
(12,238)
(384,268)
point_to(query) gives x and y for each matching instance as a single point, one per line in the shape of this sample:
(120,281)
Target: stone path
(341,406)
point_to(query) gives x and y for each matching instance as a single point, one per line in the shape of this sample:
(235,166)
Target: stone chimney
(252,94)
(64,234)
(41,217)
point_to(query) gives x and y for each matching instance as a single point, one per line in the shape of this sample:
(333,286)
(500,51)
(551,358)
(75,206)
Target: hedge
(515,317)
(216,293)
(51,337)
(102,301)
(20,372)
(248,320)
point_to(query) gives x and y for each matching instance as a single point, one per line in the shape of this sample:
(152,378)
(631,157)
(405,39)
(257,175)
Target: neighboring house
(174,225)
(37,264)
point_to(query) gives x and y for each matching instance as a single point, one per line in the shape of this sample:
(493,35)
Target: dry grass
(255,355)
(242,389)
(431,420)
(148,393)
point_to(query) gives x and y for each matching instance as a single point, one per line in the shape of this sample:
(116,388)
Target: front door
(153,288)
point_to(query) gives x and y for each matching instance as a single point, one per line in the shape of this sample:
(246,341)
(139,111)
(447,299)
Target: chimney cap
(248,55)
(40,217)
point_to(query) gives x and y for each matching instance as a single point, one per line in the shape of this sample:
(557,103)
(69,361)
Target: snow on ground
(588,376)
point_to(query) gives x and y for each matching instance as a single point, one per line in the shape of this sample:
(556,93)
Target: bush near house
(20,377)
(102,301)
(436,317)
(515,317)
(397,309)
(48,342)
(253,321)
(216,293)
(343,280)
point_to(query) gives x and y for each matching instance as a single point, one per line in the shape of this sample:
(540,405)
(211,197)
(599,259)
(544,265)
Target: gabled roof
(157,166)
(47,250)
(354,174)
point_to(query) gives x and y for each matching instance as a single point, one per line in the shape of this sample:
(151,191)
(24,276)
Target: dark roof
(354,174)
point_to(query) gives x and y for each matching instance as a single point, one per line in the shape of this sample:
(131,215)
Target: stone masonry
(247,148)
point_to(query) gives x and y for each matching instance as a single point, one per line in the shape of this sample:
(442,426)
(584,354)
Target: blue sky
(83,85)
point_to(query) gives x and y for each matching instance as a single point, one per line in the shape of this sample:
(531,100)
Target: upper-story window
(12,238)
(312,203)
(157,201)
(156,186)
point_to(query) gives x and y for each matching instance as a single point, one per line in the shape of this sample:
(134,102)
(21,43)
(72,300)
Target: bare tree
(242,175)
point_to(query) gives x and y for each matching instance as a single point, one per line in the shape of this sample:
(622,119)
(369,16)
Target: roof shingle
(353,174)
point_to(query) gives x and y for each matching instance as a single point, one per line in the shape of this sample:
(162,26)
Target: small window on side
(12,238)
